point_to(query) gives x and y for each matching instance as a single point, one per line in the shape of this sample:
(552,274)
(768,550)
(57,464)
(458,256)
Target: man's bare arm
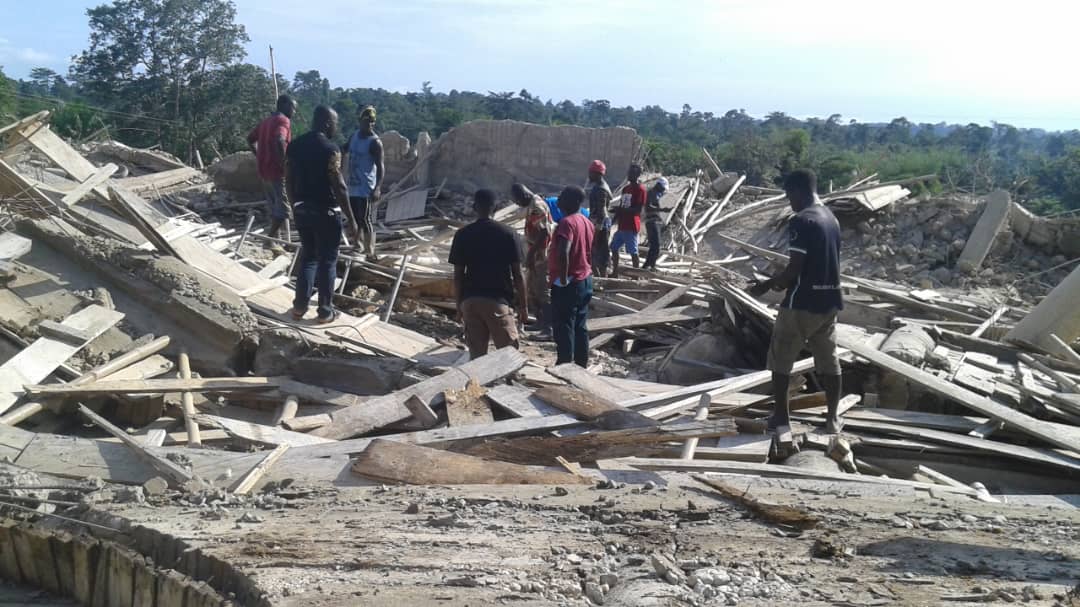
(520,292)
(562,256)
(281,148)
(784,279)
(340,190)
(380,167)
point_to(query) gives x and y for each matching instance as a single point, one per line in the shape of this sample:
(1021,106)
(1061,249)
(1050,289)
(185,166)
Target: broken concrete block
(237,172)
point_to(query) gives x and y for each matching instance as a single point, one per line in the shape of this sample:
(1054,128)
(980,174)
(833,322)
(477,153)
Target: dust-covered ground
(659,540)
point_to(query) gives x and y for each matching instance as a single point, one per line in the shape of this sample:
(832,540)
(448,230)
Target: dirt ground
(543,545)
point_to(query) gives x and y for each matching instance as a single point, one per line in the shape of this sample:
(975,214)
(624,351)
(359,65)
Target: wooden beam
(645,319)
(132,206)
(661,302)
(384,410)
(586,381)
(39,359)
(259,433)
(305,423)
(155,386)
(465,407)
(90,183)
(1042,430)
(246,483)
(1057,314)
(178,477)
(700,415)
(1064,350)
(994,217)
(391,461)
(1066,383)
(590,407)
(542,450)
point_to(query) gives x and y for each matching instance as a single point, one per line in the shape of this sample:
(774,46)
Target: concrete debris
(959,424)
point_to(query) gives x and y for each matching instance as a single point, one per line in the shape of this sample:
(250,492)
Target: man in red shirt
(570,276)
(270,141)
(628,218)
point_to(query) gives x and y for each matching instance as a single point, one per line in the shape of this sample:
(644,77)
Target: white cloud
(30,55)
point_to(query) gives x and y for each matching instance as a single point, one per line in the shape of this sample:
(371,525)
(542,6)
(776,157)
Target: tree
(7,97)
(311,89)
(145,56)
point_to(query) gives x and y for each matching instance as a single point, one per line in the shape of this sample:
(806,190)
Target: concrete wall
(496,153)
(1053,236)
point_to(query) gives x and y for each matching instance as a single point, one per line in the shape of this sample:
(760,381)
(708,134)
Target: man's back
(599,199)
(274,127)
(579,232)
(488,250)
(815,233)
(309,176)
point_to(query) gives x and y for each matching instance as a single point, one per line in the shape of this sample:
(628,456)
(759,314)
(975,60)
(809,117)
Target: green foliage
(7,96)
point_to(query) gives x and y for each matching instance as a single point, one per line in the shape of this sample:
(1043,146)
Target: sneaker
(277,249)
(325,320)
(297,314)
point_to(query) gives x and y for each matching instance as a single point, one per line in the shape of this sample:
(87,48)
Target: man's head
(570,200)
(522,195)
(597,170)
(800,187)
(660,186)
(286,105)
(633,173)
(484,202)
(325,121)
(366,117)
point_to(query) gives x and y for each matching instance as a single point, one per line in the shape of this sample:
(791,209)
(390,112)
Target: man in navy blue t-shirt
(808,312)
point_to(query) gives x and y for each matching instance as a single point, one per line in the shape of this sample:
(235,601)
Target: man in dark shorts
(487,277)
(570,276)
(269,142)
(808,311)
(653,222)
(365,169)
(318,192)
(599,196)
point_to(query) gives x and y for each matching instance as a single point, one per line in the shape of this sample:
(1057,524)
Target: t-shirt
(652,205)
(579,231)
(310,159)
(631,203)
(363,172)
(538,225)
(265,136)
(599,198)
(815,233)
(489,251)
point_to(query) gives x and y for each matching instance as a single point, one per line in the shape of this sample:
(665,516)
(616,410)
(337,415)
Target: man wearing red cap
(599,198)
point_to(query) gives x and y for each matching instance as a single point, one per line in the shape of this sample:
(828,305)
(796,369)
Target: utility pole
(273,72)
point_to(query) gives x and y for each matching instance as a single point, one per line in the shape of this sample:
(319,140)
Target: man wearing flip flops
(808,311)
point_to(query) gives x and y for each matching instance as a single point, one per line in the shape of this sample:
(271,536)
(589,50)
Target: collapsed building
(172,437)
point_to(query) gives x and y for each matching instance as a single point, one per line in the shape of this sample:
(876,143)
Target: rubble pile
(148,347)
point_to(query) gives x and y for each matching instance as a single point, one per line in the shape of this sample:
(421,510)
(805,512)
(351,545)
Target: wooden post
(176,475)
(248,481)
(397,286)
(243,237)
(188,402)
(273,72)
(287,410)
(702,414)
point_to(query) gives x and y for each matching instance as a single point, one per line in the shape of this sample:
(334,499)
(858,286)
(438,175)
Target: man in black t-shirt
(318,193)
(487,277)
(808,311)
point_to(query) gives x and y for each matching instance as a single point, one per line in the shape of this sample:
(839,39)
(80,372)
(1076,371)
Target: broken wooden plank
(62,332)
(645,319)
(246,483)
(259,433)
(35,362)
(90,183)
(1064,350)
(700,415)
(465,407)
(305,423)
(1058,436)
(948,481)
(1063,381)
(133,207)
(776,514)
(1057,314)
(994,217)
(520,402)
(391,461)
(177,476)
(287,410)
(602,412)
(155,386)
(662,302)
(542,450)
(587,382)
(385,410)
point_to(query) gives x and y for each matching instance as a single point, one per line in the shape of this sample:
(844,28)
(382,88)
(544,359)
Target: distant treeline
(188,89)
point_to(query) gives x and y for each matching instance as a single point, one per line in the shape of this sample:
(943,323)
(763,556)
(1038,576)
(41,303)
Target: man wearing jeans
(486,256)
(318,192)
(268,141)
(364,163)
(628,216)
(570,275)
(808,311)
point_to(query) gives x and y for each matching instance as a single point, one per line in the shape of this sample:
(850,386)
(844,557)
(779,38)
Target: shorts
(275,199)
(796,329)
(625,237)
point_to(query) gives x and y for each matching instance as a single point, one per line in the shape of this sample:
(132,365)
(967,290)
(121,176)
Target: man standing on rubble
(599,194)
(628,216)
(570,275)
(365,169)
(808,311)
(269,142)
(653,223)
(318,192)
(538,227)
(487,276)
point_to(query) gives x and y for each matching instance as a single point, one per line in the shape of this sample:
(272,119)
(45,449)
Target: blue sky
(927,60)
